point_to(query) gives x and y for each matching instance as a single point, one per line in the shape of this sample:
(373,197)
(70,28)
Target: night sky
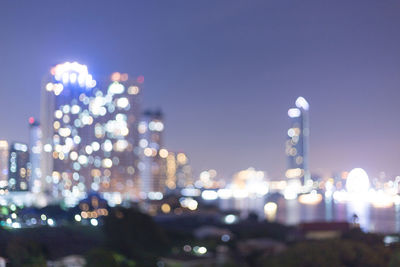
(225,73)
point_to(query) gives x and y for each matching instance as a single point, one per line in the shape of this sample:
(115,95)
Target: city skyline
(227,82)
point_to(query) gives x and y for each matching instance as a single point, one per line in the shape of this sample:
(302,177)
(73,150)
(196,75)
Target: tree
(25,253)
(134,235)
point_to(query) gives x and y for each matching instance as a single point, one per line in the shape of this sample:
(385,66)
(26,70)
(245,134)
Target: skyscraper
(152,166)
(179,171)
(4,150)
(18,168)
(90,132)
(35,147)
(297,144)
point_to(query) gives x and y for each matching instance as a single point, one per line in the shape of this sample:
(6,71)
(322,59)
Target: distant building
(179,171)
(89,133)
(297,144)
(18,167)
(184,175)
(152,166)
(4,151)
(35,147)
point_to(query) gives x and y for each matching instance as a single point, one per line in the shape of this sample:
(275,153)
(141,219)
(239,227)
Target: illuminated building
(184,176)
(18,167)
(34,153)
(297,145)
(171,171)
(179,172)
(152,166)
(89,133)
(3,164)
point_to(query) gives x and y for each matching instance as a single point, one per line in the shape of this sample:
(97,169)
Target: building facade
(152,166)
(18,167)
(35,147)
(4,151)
(89,133)
(297,144)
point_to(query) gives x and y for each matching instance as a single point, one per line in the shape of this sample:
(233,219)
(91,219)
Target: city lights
(357,181)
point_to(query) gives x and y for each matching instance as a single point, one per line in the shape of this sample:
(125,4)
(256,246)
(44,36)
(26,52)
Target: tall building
(89,133)
(4,151)
(297,144)
(35,147)
(18,168)
(152,166)
(179,171)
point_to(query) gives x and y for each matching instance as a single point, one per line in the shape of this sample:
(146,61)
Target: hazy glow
(209,195)
(294,112)
(302,103)
(310,199)
(270,210)
(357,181)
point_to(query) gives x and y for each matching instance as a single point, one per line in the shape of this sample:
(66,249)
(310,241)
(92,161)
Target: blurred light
(302,103)
(133,90)
(163,153)
(209,195)
(294,112)
(224,193)
(230,219)
(116,88)
(50,221)
(310,199)
(78,218)
(94,222)
(16,225)
(166,208)
(225,238)
(357,181)
(270,211)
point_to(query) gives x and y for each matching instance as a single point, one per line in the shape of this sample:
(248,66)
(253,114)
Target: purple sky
(225,73)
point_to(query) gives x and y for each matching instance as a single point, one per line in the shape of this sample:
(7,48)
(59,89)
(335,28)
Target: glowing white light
(209,195)
(50,221)
(71,73)
(16,225)
(294,112)
(78,217)
(230,218)
(224,193)
(202,250)
(116,88)
(122,102)
(94,222)
(302,103)
(357,181)
(270,210)
(270,207)
(73,77)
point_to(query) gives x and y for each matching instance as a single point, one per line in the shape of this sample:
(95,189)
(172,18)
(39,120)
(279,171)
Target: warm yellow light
(163,153)
(310,199)
(165,208)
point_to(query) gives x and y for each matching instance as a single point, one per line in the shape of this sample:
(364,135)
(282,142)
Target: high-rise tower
(152,166)
(4,151)
(297,144)
(18,167)
(35,147)
(90,131)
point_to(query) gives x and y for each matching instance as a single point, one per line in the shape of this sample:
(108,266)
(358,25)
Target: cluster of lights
(108,115)
(73,73)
